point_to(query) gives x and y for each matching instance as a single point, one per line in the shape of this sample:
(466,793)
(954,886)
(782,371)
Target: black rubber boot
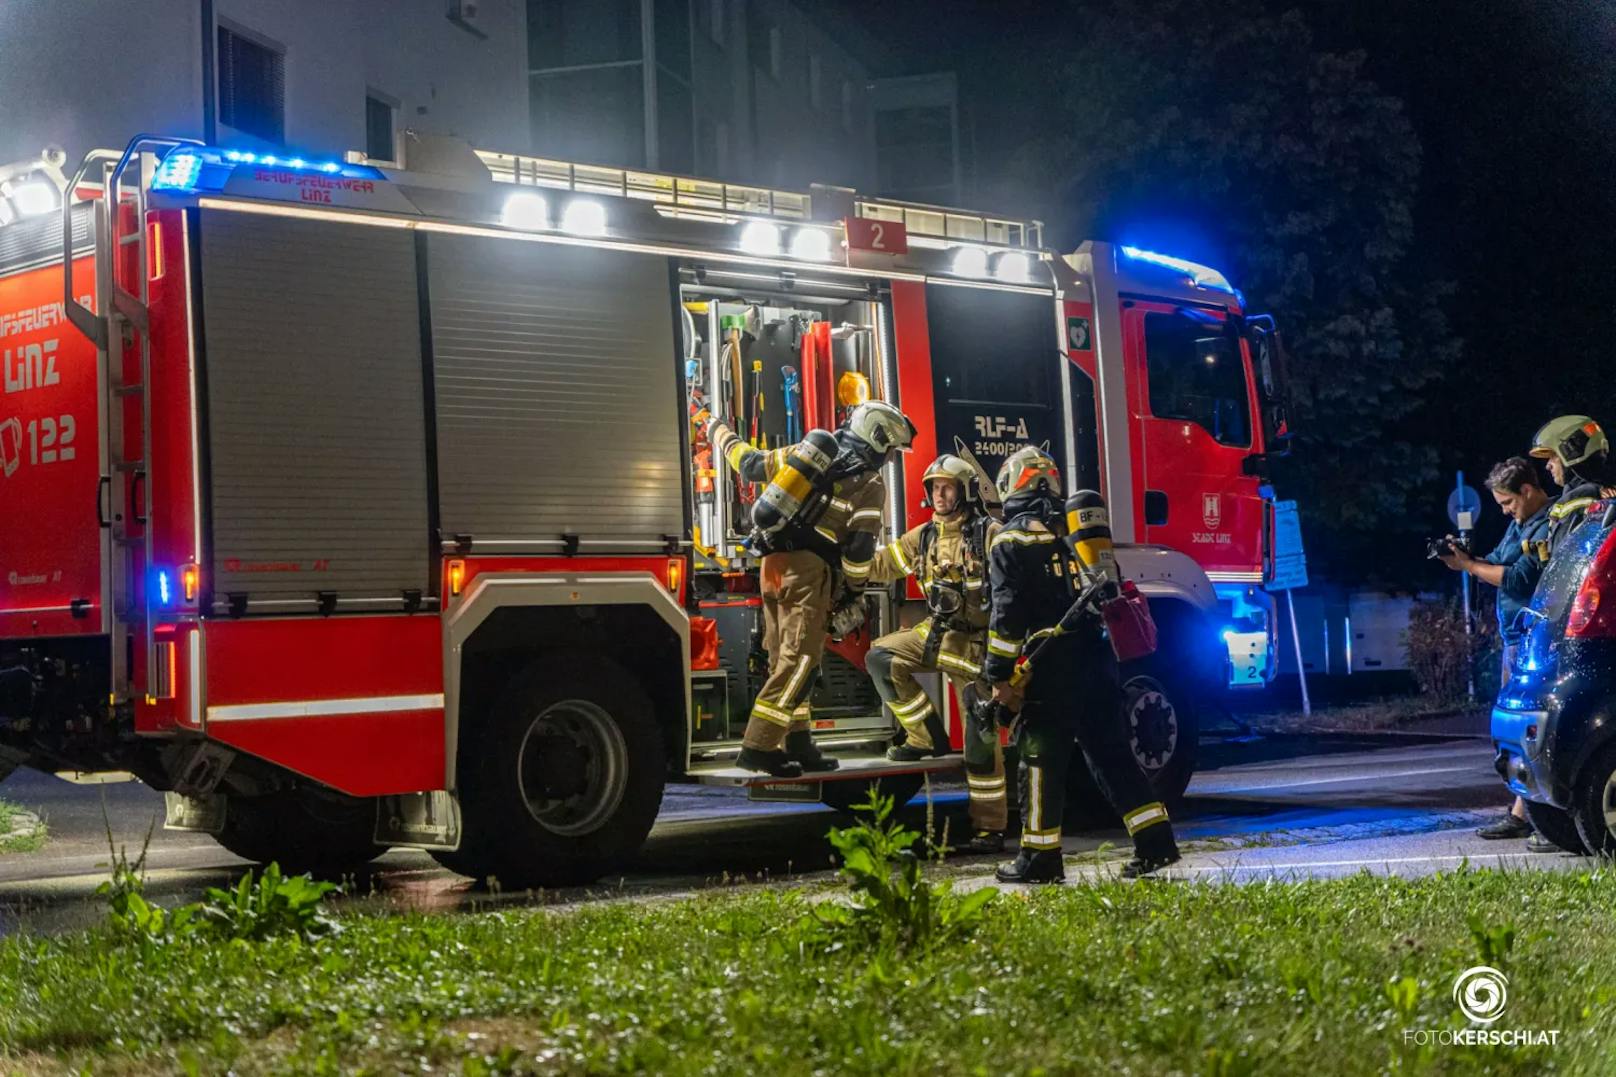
(983,842)
(1141,865)
(801,749)
(776,764)
(907,753)
(1043,866)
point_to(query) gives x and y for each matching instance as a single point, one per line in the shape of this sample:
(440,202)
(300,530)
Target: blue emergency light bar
(208,168)
(1205,276)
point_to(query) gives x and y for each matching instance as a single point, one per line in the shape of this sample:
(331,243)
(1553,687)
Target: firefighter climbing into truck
(297,534)
(816,524)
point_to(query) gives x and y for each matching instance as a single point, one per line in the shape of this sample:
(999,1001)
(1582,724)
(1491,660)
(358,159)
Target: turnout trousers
(894,661)
(796,609)
(1076,693)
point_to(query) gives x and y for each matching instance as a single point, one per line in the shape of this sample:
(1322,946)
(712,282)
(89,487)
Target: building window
(379,127)
(712,19)
(580,33)
(252,87)
(816,83)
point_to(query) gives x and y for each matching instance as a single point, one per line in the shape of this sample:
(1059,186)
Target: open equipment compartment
(774,359)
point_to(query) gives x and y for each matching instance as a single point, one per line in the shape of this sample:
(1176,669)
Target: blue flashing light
(208,168)
(164,594)
(1205,276)
(178,172)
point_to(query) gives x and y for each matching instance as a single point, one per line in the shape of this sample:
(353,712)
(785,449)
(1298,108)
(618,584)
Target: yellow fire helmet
(1573,438)
(1028,470)
(950,467)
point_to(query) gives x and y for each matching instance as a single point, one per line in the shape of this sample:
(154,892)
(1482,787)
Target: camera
(1438,547)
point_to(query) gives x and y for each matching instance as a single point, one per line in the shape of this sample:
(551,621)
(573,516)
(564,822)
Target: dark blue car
(1554,725)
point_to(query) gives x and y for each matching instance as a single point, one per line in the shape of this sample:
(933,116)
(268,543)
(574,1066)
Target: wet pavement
(1286,805)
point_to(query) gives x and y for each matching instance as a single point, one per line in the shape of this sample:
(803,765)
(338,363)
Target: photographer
(1513,567)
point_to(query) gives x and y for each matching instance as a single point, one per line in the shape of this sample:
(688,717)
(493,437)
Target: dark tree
(1300,176)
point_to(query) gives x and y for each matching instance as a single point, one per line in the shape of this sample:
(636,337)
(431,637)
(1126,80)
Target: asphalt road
(1285,807)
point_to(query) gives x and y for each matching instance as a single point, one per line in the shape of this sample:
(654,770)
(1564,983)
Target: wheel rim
(1607,803)
(572,767)
(1152,723)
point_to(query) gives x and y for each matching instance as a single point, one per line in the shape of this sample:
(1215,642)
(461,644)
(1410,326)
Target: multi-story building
(917,138)
(747,90)
(318,76)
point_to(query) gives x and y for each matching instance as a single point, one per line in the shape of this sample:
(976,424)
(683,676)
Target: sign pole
(1464,521)
(1296,639)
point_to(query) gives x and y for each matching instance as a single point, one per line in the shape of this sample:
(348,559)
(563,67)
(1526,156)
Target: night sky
(1515,106)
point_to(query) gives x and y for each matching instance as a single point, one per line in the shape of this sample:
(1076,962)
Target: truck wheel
(1593,804)
(1557,825)
(1162,728)
(1162,731)
(847,794)
(562,782)
(325,834)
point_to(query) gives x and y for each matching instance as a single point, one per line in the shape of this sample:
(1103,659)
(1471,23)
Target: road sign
(1464,506)
(1290,563)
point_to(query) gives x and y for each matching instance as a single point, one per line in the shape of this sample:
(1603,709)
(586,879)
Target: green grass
(27,841)
(1318,977)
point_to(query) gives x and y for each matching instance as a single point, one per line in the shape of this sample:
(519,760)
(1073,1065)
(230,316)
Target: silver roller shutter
(316,426)
(555,380)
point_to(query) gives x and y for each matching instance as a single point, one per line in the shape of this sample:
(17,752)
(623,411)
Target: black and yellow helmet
(1029,470)
(953,469)
(1575,439)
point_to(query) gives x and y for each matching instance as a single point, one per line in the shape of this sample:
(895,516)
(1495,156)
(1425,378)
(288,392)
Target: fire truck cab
(356,506)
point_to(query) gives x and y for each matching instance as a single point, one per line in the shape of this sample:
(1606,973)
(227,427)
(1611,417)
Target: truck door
(1196,398)
(52,549)
(995,367)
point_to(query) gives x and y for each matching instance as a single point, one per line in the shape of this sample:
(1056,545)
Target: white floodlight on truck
(527,211)
(760,238)
(970,262)
(1012,267)
(812,245)
(584,217)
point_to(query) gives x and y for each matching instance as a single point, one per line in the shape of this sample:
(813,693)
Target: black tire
(846,794)
(561,782)
(1163,728)
(326,834)
(1593,804)
(1557,825)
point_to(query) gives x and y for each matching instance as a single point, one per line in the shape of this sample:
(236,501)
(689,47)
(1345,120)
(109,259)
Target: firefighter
(1074,691)
(817,521)
(1578,456)
(947,555)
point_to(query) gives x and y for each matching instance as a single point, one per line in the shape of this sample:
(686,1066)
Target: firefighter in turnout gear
(1074,691)
(947,555)
(818,518)
(1578,457)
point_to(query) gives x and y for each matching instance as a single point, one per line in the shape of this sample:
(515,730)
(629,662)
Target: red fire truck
(356,506)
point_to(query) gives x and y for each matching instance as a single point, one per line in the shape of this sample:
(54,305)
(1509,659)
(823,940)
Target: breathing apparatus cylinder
(1088,533)
(792,487)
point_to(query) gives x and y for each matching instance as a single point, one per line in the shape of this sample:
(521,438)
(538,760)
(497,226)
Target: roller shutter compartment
(316,426)
(555,377)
